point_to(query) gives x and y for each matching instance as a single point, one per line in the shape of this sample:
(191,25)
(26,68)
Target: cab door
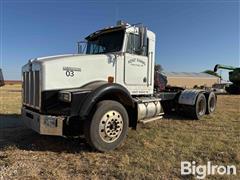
(136,63)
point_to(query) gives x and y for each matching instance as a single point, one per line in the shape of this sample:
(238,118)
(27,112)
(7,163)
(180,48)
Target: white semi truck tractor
(103,91)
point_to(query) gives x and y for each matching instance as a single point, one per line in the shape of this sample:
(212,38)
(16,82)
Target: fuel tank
(149,107)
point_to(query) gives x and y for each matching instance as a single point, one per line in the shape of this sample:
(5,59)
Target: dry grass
(10,99)
(154,151)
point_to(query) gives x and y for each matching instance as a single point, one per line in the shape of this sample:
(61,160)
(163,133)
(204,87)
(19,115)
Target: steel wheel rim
(201,107)
(212,104)
(111,126)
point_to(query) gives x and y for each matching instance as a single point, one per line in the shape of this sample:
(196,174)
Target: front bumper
(43,124)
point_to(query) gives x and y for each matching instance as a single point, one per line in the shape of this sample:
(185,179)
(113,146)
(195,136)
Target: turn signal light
(110,79)
(65,96)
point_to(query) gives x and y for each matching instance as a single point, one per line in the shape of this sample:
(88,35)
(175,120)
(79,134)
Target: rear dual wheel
(200,106)
(211,103)
(205,104)
(108,127)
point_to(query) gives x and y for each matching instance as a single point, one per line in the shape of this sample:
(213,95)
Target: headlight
(65,96)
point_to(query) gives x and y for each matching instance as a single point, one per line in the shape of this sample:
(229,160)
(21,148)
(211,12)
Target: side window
(133,45)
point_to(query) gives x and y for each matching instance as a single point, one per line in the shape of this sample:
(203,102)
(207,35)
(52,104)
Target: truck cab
(104,89)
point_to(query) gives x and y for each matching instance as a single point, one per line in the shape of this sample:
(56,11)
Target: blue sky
(192,35)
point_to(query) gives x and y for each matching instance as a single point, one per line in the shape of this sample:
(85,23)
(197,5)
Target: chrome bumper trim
(43,124)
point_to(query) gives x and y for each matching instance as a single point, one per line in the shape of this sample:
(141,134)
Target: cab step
(144,121)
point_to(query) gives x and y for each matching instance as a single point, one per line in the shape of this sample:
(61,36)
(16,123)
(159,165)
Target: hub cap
(111,126)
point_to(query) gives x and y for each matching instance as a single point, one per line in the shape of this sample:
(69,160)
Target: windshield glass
(105,43)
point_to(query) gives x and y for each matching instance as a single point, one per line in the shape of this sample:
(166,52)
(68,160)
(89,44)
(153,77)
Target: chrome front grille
(31,88)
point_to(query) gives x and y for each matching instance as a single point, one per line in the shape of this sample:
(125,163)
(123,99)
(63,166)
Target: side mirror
(143,37)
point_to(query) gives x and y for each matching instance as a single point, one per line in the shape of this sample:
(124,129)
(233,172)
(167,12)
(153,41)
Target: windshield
(105,43)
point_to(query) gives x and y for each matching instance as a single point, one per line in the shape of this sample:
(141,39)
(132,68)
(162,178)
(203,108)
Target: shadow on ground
(26,139)
(177,117)
(10,120)
(14,133)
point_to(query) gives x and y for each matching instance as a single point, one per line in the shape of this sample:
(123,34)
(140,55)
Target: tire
(199,109)
(108,126)
(211,103)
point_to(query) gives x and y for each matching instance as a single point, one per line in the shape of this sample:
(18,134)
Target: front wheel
(108,127)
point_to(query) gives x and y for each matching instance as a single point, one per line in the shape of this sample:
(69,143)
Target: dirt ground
(153,151)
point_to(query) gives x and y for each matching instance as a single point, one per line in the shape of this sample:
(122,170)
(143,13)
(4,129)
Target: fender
(189,96)
(86,97)
(106,91)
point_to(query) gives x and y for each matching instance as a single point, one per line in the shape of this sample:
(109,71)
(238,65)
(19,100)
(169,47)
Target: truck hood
(72,70)
(66,56)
